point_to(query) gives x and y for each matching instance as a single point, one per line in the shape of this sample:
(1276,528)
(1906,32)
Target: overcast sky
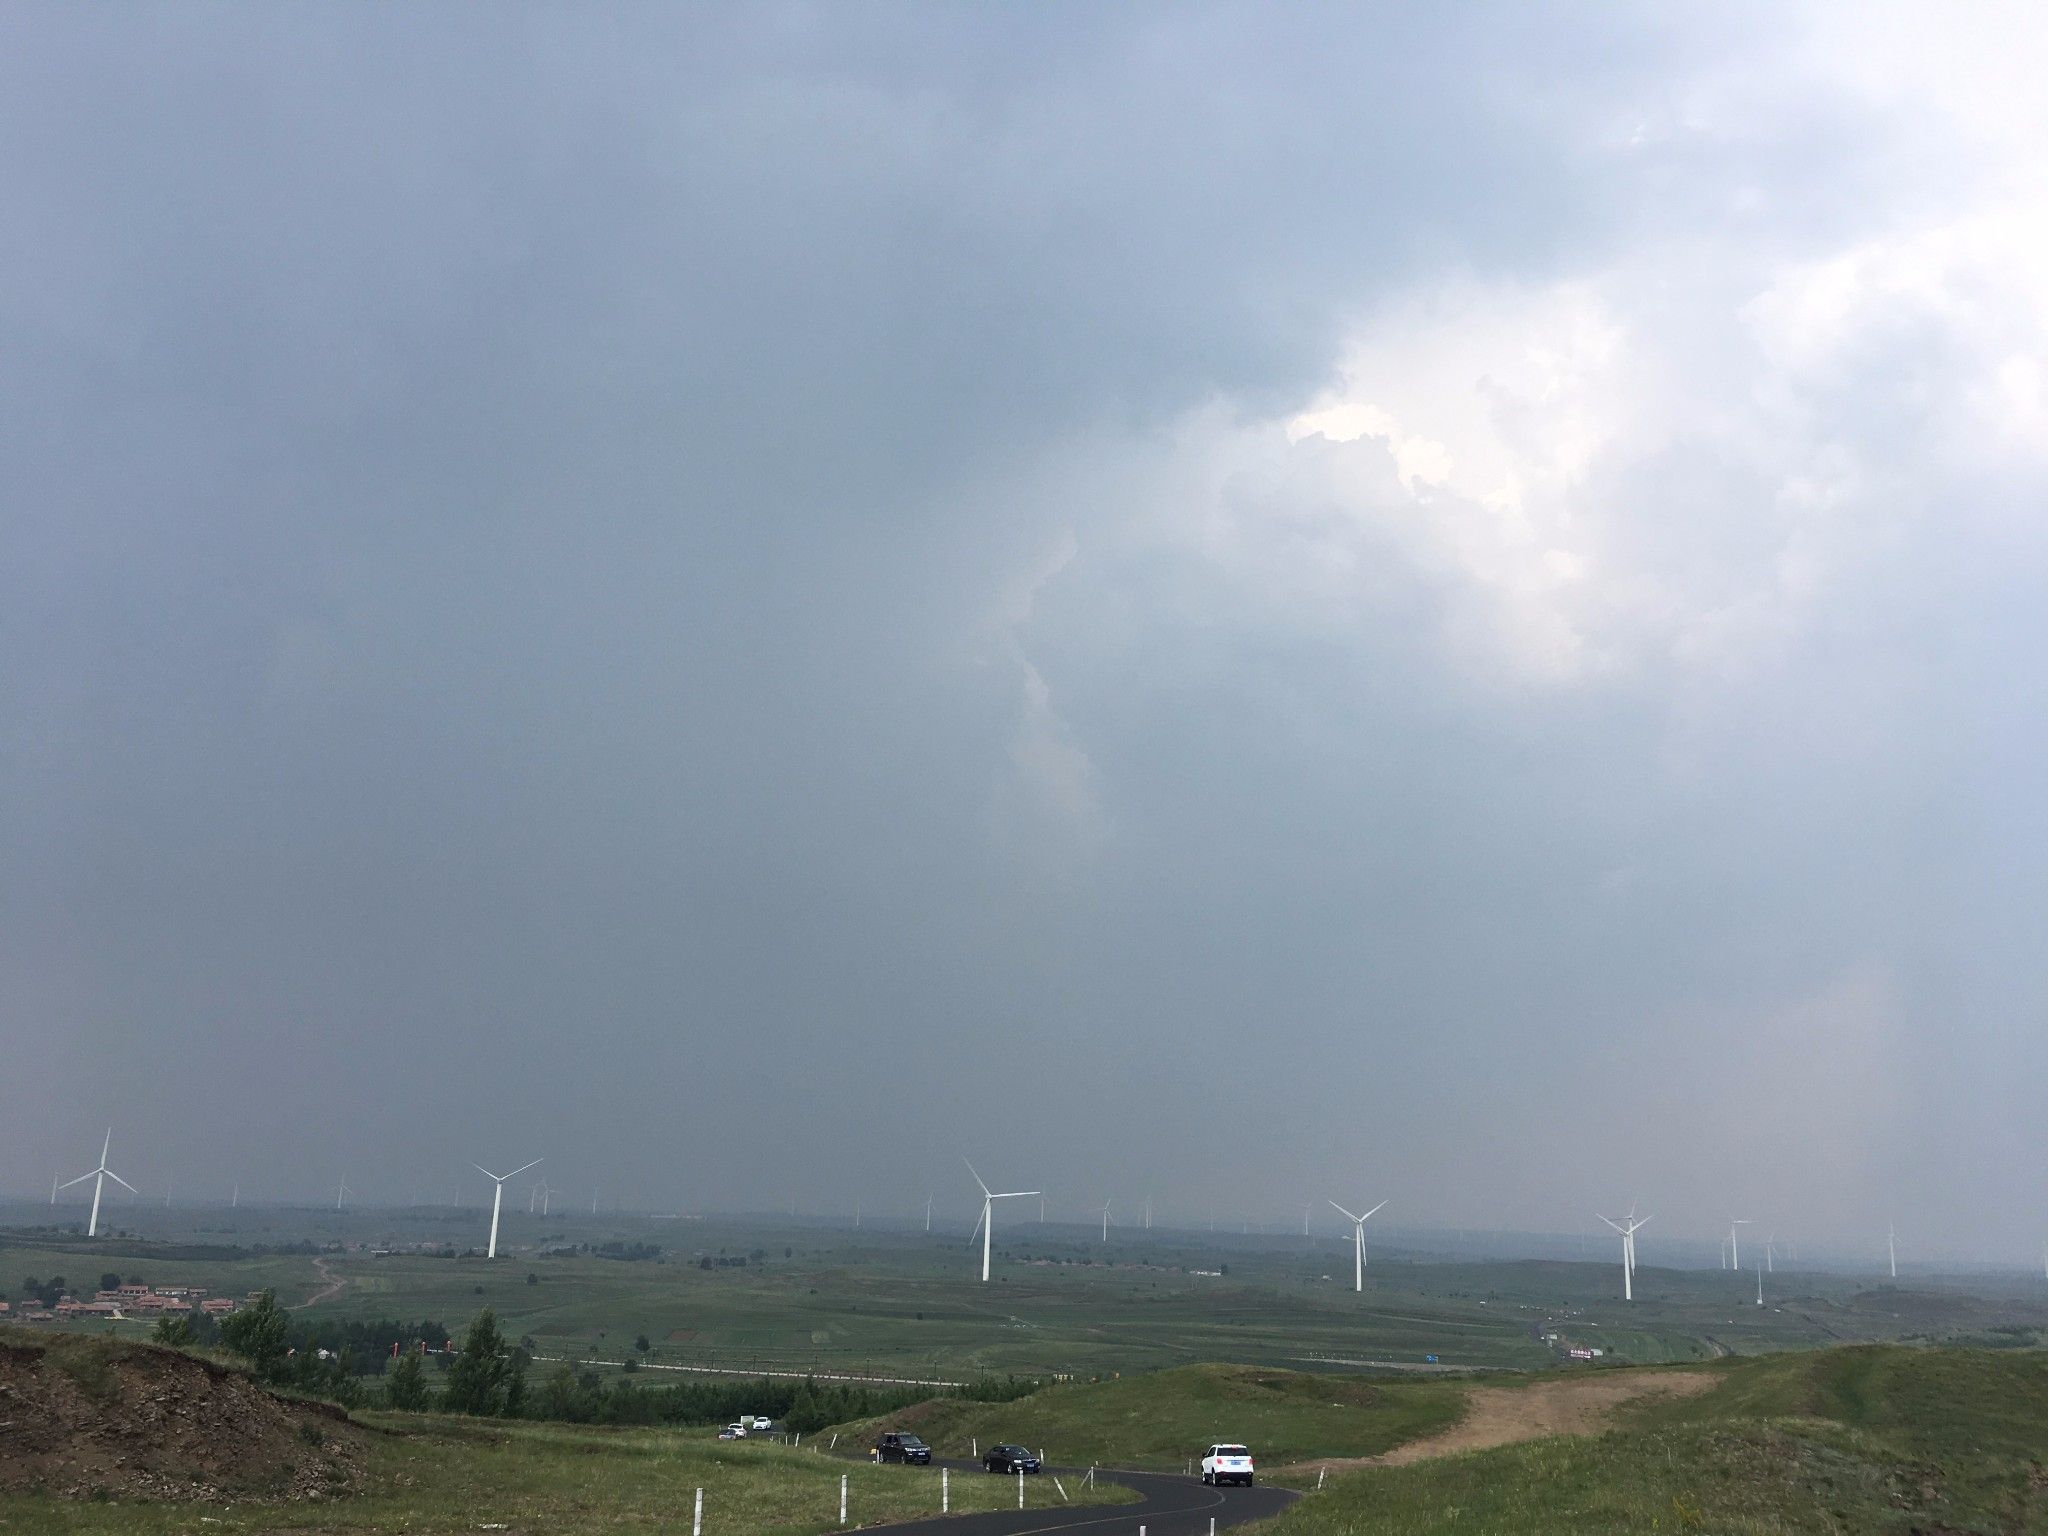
(1237,603)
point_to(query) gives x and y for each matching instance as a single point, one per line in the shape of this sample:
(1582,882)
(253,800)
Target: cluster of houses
(131,1301)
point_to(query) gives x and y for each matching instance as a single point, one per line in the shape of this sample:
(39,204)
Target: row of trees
(488,1377)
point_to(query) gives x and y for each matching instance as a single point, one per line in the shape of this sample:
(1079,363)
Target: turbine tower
(1735,1224)
(498,1195)
(342,1193)
(986,1225)
(1627,1227)
(1358,1244)
(1891,1247)
(1105,1221)
(99,1177)
(927,1213)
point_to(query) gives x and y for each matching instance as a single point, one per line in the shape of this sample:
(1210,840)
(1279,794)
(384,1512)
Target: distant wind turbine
(1627,1227)
(1891,1246)
(1358,1244)
(927,1213)
(99,1177)
(341,1194)
(986,1225)
(1735,1224)
(1105,1221)
(498,1195)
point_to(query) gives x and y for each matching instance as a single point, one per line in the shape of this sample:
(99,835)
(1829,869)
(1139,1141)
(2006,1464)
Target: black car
(908,1449)
(1009,1458)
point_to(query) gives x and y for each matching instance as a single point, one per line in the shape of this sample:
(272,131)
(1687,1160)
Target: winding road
(1169,1506)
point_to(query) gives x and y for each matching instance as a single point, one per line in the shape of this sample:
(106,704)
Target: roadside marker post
(842,1498)
(1020,1487)
(697,1520)
(1320,1473)
(1065,1500)
(945,1490)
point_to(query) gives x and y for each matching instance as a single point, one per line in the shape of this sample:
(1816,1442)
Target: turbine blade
(123,1182)
(977,1177)
(1347,1213)
(1369,1214)
(493,1177)
(79,1180)
(1611,1222)
(1014,1194)
(524,1166)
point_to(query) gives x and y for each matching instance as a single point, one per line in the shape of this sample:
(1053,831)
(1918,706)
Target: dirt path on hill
(333,1287)
(1571,1405)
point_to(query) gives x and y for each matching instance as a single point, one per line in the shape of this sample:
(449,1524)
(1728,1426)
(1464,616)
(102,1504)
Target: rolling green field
(1157,1421)
(900,1303)
(1869,1439)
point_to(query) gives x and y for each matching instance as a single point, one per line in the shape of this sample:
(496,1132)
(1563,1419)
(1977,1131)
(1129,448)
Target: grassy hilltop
(1868,1439)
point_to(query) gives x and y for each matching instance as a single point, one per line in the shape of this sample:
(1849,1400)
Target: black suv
(1009,1458)
(908,1449)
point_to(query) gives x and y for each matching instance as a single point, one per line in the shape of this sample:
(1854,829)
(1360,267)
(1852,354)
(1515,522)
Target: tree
(258,1333)
(175,1331)
(640,1343)
(405,1384)
(111,1280)
(477,1379)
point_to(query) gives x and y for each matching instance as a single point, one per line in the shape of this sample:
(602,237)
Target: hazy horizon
(1246,603)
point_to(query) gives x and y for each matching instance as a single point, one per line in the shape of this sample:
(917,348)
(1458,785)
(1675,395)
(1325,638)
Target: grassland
(1871,1439)
(1159,1420)
(896,1302)
(432,1476)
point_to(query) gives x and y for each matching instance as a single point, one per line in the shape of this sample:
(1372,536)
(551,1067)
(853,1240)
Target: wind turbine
(1771,1253)
(1306,1208)
(1627,1227)
(987,1223)
(1105,1221)
(341,1194)
(55,1176)
(99,1177)
(1759,1285)
(1735,1241)
(1358,1244)
(498,1195)
(1148,1213)
(927,1213)
(1891,1246)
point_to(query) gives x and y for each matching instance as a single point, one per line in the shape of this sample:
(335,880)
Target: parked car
(1008,1458)
(738,1430)
(1227,1464)
(908,1449)
(728,1433)
(763,1424)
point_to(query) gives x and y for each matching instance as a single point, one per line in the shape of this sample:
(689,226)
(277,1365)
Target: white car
(739,1430)
(1227,1464)
(764,1424)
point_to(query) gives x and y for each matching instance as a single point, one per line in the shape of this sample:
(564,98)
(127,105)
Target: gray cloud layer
(1224,602)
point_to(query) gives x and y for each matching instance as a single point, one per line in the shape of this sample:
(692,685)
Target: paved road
(1171,1506)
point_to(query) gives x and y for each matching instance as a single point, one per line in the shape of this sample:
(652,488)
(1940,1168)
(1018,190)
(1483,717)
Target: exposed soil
(333,1288)
(1566,1405)
(86,1417)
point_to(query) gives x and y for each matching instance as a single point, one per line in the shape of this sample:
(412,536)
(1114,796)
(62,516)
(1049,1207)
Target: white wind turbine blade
(1347,1214)
(1016,1194)
(495,1178)
(1613,1223)
(524,1166)
(977,1224)
(977,1179)
(122,1182)
(1369,1214)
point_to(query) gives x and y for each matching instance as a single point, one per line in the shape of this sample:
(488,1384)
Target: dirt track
(1570,1405)
(334,1287)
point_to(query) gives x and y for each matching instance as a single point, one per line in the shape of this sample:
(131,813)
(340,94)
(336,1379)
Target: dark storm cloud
(619,584)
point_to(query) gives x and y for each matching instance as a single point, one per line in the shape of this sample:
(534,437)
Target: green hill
(1877,1439)
(1162,1419)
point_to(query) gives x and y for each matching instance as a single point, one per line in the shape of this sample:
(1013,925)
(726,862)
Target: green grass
(1872,1439)
(437,1475)
(1163,1419)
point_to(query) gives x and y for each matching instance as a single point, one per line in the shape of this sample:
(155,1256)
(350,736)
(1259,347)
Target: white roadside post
(697,1520)
(945,1490)
(1319,1477)
(1065,1500)
(1020,1487)
(842,1498)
